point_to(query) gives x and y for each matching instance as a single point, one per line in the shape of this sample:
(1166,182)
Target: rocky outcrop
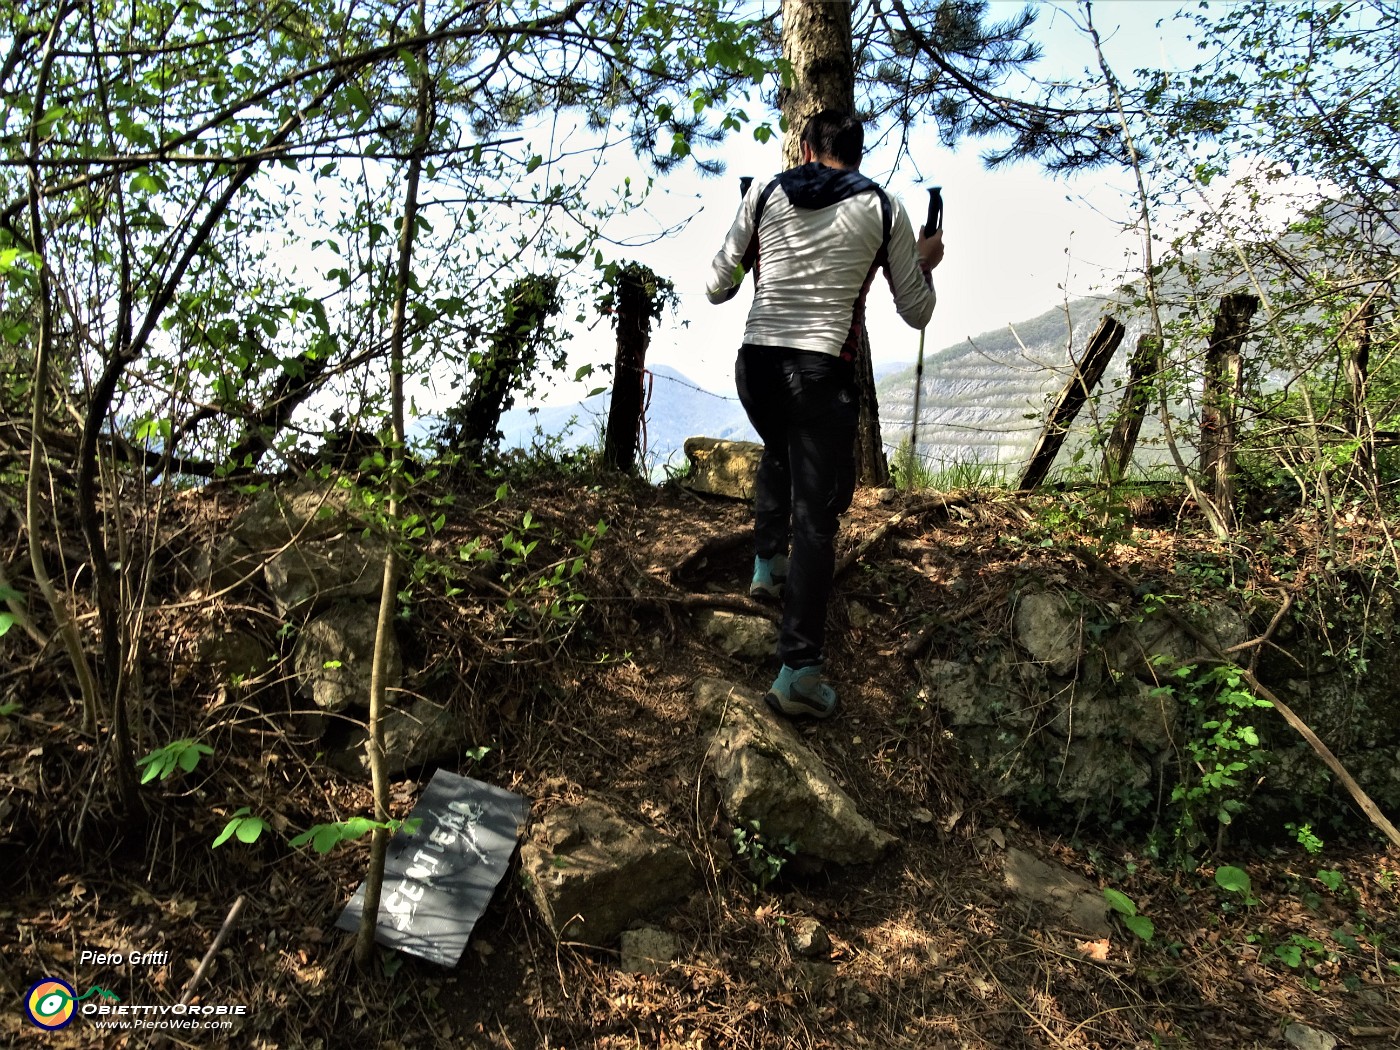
(310,573)
(305,543)
(1066,898)
(423,732)
(592,873)
(738,635)
(721,467)
(647,950)
(237,655)
(769,779)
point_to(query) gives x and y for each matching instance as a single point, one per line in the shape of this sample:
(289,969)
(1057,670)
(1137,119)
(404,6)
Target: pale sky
(1018,241)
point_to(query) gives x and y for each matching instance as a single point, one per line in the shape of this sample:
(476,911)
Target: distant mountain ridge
(983,400)
(677,408)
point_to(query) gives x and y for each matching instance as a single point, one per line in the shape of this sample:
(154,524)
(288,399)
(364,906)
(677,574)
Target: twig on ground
(916,645)
(222,936)
(943,503)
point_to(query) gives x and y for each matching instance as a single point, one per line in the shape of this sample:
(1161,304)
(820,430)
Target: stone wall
(1078,709)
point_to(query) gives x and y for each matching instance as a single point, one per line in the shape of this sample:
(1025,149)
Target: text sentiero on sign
(439,880)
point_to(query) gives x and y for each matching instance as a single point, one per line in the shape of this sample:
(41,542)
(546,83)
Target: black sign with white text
(438,881)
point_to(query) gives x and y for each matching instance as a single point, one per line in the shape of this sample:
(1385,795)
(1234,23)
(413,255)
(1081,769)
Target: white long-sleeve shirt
(814,250)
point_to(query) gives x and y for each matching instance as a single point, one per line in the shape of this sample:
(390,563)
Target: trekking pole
(931,226)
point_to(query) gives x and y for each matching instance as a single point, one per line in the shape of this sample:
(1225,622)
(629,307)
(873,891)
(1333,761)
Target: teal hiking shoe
(801,693)
(768,576)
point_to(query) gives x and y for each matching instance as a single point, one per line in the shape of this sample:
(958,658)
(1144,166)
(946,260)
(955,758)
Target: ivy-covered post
(1118,454)
(1357,367)
(505,364)
(1220,395)
(635,298)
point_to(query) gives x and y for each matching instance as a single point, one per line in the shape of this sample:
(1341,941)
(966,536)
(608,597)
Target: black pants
(803,405)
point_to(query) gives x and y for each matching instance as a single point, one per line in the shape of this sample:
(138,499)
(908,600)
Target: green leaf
(7,620)
(1140,925)
(1236,880)
(163,762)
(1119,902)
(149,182)
(247,828)
(326,838)
(1346,940)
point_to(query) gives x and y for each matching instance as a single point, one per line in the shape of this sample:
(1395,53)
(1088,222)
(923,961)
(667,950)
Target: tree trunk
(388,588)
(1220,395)
(633,338)
(817,43)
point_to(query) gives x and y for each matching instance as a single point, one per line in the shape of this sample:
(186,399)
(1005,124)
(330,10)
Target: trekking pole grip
(935,211)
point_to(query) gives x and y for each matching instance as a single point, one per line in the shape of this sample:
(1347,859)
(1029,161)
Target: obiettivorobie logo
(51,1003)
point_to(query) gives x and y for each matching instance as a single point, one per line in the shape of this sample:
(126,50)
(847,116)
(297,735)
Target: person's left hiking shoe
(768,576)
(801,692)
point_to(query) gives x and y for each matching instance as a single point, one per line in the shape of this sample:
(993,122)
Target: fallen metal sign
(439,880)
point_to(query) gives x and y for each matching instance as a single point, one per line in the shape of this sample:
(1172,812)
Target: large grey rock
(311,574)
(235,654)
(306,542)
(1096,768)
(307,509)
(592,873)
(426,731)
(722,467)
(1305,1037)
(648,950)
(768,777)
(334,656)
(958,691)
(1152,717)
(737,634)
(991,691)
(1068,898)
(1024,734)
(1048,627)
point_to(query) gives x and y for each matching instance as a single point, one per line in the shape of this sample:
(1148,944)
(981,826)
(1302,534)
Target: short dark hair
(837,136)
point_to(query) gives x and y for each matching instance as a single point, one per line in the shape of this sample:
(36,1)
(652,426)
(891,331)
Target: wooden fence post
(1220,395)
(1086,376)
(1358,366)
(1118,453)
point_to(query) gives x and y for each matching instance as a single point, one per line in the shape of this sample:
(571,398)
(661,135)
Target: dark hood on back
(815,186)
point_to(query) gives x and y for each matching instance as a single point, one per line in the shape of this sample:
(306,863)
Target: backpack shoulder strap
(763,200)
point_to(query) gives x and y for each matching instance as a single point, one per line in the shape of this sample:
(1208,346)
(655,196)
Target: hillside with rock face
(998,703)
(983,401)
